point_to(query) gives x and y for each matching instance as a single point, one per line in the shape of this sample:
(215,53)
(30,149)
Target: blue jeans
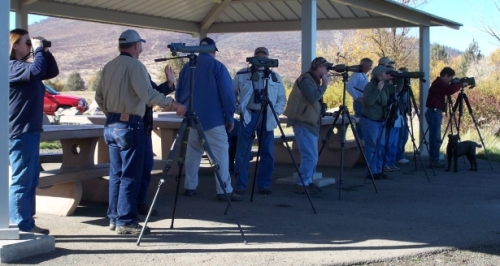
(392,146)
(373,132)
(434,120)
(146,170)
(308,148)
(24,155)
(403,138)
(358,107)
(266,148)
(126,153)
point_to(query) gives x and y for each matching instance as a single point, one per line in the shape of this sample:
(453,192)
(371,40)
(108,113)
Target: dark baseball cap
(261,50)
(209,41)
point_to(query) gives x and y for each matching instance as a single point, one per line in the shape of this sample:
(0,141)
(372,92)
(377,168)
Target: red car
(53,100)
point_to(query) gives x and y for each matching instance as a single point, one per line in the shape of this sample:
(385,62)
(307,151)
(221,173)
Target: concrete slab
(27,245)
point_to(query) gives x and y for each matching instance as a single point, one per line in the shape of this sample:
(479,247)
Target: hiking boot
(232,197)
(299,189)
(312,187)
(112,227)
(264,191)
(239,191)
(393,167)
(38,230)
(189,192)
(133,229)
(143,209)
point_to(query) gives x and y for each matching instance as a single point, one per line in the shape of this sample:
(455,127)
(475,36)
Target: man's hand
(170,75)
(179,108)
(229,127)
(380,85)
(325,79)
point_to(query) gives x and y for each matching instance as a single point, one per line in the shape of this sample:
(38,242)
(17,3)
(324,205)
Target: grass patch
(50,145)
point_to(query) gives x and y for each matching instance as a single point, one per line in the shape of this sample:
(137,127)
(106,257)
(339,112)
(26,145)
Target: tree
(94,81)
(491,27)
(75,82)
(472,55)
(438,52)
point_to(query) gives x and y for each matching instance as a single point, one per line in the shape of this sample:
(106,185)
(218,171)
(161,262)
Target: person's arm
(39,66)
(52,68)
(99,95)
(371,93)
(310,91)
(139,79)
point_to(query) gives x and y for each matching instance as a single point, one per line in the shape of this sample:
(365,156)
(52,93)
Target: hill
(86,46)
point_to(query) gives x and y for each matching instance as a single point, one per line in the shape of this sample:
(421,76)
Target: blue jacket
(26,92)
(213,98)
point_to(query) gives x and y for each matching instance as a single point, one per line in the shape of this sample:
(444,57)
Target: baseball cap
(317,62)
(379,70)
(261,50)
(130,36)
(385,61)
(209,41)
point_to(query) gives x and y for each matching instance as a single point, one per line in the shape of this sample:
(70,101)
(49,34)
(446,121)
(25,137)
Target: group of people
(381,106)
(126,94)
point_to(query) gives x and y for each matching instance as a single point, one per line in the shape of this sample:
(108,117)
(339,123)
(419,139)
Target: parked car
(54,100)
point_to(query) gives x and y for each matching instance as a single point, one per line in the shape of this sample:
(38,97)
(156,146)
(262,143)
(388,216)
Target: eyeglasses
(28,42)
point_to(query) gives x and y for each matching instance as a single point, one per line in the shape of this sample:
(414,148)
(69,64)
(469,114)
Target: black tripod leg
(216,168)
(183,141)
(173,149)
(356,137)
(469,108)
(283,136)
(259,137)
(329,133)
(416,152)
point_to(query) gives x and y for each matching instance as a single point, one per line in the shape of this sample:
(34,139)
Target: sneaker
(312,186)
(232,197)
(388,169)
(299,189)
(189,192)
(133,229)
(375,176)
(143,209)
(403,161)
(394,168)
(239,191)
(112,227)
(264,191)
(38,230)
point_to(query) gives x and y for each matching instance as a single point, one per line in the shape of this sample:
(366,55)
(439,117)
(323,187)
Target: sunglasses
(28,42)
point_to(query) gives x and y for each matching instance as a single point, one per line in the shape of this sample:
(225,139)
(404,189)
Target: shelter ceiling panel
(258,12)
(327,9)
(233,14)
(271,11)
(244,12)
(343,10)
(286,11)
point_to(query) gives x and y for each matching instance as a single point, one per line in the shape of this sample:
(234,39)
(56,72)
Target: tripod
(181,141)
(459,104)
(344,112)
(262,116)
(397,106)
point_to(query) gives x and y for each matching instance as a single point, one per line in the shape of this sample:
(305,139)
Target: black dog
(456,149)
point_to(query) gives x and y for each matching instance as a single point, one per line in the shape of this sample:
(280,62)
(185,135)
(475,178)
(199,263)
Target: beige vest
(299,108)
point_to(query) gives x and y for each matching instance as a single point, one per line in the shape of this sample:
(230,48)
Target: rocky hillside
(86,46)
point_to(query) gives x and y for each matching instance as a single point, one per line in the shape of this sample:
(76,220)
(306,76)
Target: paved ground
(408,216)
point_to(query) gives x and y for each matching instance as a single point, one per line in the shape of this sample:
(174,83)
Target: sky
(470,13)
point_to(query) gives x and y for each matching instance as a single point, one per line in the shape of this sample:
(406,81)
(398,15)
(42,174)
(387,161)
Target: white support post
(424,59)
(308,33)
(5,231)
(22,16)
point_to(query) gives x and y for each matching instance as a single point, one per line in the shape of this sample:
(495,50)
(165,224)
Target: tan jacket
(125,87)
(300,109)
